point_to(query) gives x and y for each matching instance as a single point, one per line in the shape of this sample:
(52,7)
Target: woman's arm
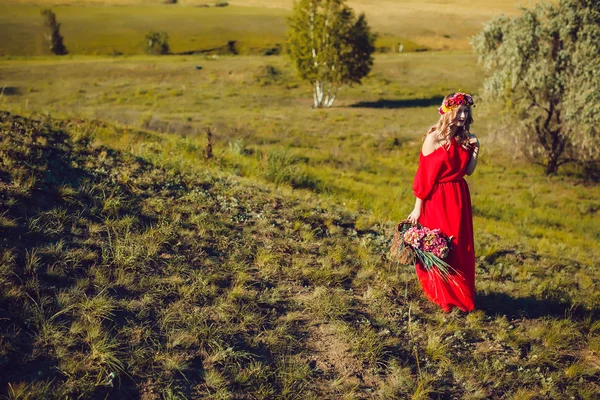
(430,144)
(473,141)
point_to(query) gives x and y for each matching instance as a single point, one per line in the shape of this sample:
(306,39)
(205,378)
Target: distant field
(227,90)
(93,28)
(103,30)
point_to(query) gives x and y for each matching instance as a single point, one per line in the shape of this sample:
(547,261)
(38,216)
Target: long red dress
(447,206)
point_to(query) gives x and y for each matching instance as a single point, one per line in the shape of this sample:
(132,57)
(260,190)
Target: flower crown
(455,101)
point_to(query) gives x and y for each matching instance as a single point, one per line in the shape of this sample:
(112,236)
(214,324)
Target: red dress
(447,206)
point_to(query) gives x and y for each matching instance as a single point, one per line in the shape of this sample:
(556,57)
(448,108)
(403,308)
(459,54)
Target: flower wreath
(455,101)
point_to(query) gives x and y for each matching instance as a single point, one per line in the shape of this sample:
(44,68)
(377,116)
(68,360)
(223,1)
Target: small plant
(272,51)
(231,45)
(209,144)
(116,53)
(157,43)
(238,147)
(52,33)
(329,304)
(268,75)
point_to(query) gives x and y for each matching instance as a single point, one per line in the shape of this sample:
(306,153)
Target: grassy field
(99,29)
(106,30)
(363,145)
(262,273)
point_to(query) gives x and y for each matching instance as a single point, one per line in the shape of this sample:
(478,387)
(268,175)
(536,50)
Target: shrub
(268,75)
(272,51)
(52,33)
(544,65)
(231,47)
(157,43)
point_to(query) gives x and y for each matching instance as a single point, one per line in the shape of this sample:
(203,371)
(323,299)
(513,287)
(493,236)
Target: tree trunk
(552,165)
(556,154)
(318,94)
(331,97)
(551,140)
(320,97)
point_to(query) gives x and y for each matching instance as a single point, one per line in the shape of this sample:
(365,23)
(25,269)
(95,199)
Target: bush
(544,65)
(52,33)
(282,168)
(230,48)
(272,51)
(157,43)
(268,75)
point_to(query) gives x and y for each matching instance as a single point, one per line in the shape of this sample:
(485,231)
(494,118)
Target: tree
(330,46)
(157,43)
(52,33)
(545,68)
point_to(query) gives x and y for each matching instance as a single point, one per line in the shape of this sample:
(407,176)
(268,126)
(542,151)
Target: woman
(443,201)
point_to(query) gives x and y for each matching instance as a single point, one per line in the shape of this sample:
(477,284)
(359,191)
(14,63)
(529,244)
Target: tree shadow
(494,304)
(9,90)
(402,103)
(229,48)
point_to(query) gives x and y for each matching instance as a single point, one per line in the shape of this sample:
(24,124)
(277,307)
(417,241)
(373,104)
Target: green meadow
(99,30)
(105,27)
(134,264)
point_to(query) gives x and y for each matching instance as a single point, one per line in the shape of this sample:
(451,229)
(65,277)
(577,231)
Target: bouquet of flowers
(430,246)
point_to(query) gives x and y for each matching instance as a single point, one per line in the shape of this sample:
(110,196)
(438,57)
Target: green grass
(103,30)
(363,156)
(262,271)
(98,28)
(173,278)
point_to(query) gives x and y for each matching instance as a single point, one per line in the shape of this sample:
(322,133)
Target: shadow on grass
(528,307)
(403,103)
(72,185)
(9,90)
(57,169)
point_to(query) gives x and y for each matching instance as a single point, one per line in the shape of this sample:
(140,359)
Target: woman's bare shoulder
(431,143)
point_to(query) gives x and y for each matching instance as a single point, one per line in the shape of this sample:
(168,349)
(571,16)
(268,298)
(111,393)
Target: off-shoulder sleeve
(427,175)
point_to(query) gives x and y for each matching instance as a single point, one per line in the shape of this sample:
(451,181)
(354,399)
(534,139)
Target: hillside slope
(177,284)
(126,279)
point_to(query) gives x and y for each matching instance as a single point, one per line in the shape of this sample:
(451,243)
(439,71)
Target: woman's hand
(474,142)
(413,218)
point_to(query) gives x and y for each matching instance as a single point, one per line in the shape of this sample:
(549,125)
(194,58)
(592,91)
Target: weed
(329,304)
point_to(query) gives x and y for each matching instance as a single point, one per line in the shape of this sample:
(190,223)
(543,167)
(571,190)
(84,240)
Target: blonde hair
(443,125)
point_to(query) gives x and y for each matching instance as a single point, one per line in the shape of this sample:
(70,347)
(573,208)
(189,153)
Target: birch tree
(545,73)
(330,46)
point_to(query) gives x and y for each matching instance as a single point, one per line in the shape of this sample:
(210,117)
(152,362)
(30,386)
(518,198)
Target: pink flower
(433,241)
(413,236)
